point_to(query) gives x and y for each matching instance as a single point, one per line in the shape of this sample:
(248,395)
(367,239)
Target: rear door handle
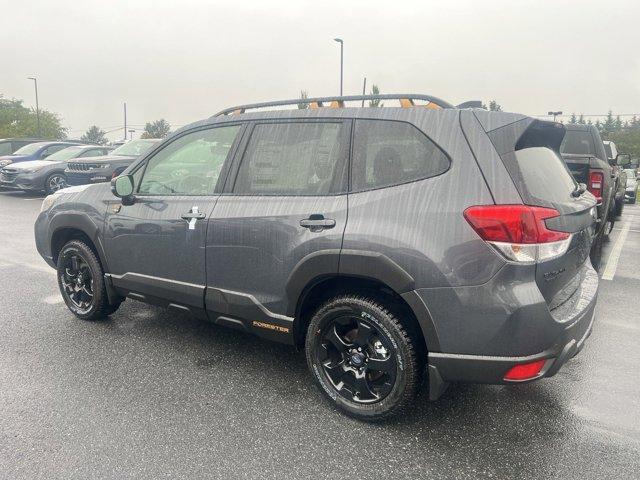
(317,222)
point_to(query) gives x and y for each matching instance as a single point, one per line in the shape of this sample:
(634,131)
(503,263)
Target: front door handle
(193,216)
(190,215)
(194,213)
(317,222)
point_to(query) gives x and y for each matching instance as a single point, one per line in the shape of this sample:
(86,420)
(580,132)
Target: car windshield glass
(65,154)
(578,143)
(28,149)
(135,147)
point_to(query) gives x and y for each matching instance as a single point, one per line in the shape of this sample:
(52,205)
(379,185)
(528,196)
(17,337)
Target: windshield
(578,143)
(135,147)
(65,154)
(28,149)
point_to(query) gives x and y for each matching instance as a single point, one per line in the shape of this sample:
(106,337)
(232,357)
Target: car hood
(104,159)
(12,157)
(34,164)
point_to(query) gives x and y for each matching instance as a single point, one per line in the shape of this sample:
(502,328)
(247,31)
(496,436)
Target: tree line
(17,121)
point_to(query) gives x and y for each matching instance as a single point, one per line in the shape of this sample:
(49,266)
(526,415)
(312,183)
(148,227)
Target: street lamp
(131,134)
(555,114)
(35,83)
(339,40)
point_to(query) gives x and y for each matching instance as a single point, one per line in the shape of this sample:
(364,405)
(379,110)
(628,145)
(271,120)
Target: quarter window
(190,165)
(293,159)
(390,153)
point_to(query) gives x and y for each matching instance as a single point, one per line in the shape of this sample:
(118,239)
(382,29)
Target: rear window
(390,153)
(544,174)
(578,143)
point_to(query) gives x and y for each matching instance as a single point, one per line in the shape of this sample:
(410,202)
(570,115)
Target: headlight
(31,170)
(48,202)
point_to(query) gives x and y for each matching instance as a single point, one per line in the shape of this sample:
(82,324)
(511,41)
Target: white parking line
(614,256)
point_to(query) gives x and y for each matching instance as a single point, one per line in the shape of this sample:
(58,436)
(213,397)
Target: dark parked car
(103,169)
(584,153)
(47,174)
(393,244)
(617,160)
(9,145)
(35,151)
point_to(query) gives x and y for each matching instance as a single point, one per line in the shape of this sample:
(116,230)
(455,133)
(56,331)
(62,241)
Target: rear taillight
(596,181)
(519,232)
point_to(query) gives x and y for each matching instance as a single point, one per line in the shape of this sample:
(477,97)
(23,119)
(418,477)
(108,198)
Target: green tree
(375,90)
(573,118)
(95,136)
(303,95)
(16,120)
(494,106)
(157,129)
(581,120)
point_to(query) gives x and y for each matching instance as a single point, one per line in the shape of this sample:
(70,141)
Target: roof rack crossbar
(338,101)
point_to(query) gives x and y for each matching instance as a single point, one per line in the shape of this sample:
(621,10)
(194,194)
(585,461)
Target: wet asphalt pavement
(155,394)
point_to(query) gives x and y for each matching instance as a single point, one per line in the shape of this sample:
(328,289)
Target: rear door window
(294,158)
(390,153)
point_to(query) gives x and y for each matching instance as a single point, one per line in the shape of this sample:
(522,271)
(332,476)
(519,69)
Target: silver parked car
(47,174)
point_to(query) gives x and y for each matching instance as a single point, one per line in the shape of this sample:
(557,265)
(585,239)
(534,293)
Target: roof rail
(406,100)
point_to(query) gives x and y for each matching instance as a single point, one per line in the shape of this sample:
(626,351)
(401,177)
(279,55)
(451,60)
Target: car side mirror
(623,159)
(122,187)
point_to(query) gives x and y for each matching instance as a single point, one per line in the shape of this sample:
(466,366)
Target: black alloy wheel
(363,356)
(356,358)
(81,282)
(77,281)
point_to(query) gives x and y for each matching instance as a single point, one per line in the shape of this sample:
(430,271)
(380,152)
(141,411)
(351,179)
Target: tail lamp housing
(519,232)
(596,183)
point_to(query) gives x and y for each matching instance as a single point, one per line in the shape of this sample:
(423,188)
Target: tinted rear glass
(545,174)
(578,143)
(390,153)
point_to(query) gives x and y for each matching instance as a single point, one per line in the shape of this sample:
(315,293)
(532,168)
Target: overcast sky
(183,60)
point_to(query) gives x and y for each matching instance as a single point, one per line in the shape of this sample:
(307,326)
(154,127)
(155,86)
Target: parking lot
(155,394)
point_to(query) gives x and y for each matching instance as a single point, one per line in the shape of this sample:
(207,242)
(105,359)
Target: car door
(283,211)
(155,246)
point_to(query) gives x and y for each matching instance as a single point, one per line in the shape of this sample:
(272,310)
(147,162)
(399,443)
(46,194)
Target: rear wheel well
(320,291)
(63,235)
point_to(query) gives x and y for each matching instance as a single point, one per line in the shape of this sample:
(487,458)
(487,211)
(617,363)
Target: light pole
(555,114)
(35,83)
(131,134)
(339,40)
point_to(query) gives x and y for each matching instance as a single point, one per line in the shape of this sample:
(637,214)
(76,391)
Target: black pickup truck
(584,153)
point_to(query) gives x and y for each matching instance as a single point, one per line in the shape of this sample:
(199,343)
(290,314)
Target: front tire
(362,358)
(55,182)
(81,282)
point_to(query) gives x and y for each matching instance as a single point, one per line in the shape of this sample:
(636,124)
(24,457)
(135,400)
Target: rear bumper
(488,369)
(486,330)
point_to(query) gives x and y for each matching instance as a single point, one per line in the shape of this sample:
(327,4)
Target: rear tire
(362,358)
(81,282)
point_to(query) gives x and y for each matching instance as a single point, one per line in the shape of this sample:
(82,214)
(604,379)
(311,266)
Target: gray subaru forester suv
(395,245)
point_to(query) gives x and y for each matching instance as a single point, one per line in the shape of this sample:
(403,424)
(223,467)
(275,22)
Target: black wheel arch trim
(83,223)
(368,265)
